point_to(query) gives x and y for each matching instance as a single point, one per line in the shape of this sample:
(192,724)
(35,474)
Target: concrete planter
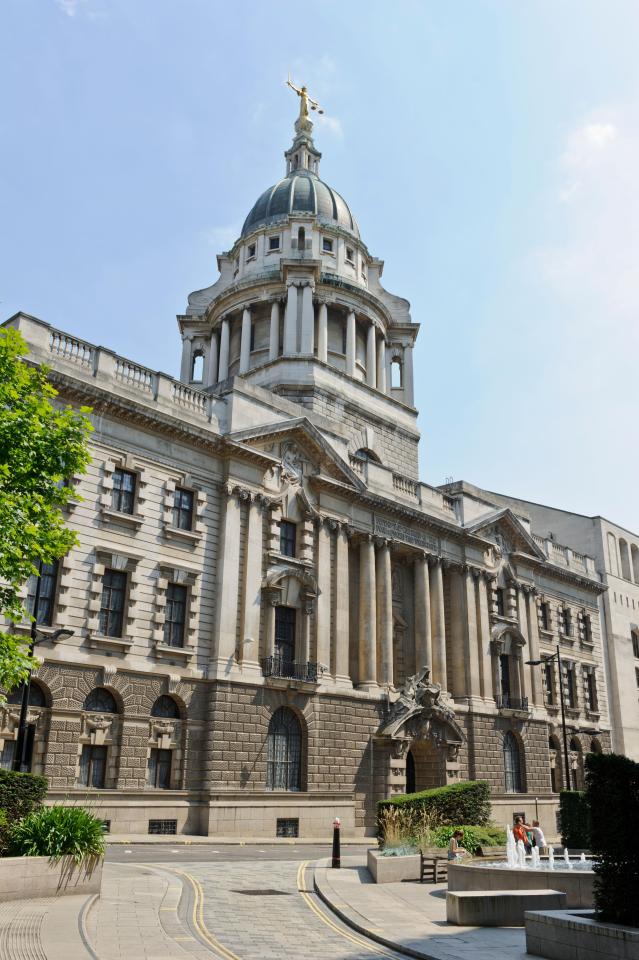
(392,869)
(564,935)
(32,877)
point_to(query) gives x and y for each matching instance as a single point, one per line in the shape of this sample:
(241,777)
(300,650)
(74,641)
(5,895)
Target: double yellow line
(197,917)
(325,918)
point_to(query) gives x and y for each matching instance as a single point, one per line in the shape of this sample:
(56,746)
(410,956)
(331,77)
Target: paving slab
(43,929)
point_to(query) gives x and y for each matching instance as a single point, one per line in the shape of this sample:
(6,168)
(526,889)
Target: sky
(489,150)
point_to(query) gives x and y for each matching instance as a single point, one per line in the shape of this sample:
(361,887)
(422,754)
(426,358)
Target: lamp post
(21,760)
(535,663)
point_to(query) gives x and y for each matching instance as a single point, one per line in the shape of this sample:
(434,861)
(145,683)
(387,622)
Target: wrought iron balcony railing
(289,670)
(504,701)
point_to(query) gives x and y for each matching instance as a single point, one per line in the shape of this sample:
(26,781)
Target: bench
(499,908)
(497,853)
(435,862)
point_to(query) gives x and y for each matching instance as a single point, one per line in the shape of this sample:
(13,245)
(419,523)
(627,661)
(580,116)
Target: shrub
(21,793)
(465,802)
(404,827)
(474,837)
(58,832)
(4,833)
(574,815)
(613,797)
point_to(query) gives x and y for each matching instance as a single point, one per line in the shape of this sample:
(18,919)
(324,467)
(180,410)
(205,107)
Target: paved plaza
(246,909)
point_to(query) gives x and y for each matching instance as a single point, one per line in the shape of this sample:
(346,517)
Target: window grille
(283,765)
(36,696)
(111,617)
(100,701)
(159,772)
(288,538)
(46,600)
(287,827)
(175,615)
(123,496)
(512,764)
(93,766)
(165,827)
(183,509)
(165,706)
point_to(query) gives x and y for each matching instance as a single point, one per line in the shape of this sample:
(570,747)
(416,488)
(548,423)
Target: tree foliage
(42,445)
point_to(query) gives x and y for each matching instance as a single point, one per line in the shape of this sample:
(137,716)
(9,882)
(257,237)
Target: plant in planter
(58,832)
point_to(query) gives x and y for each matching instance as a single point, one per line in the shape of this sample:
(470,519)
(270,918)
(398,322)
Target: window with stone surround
(513,779)
(284,751)
(184,505)
(123,491)
(565,621)
(111,616)
(585,628)
(93,763)
(274,243)
(327,245)
(251,251)
(396,374)
(544,616)
(197,366)
(159,769)
(176,610)
(98,747)
(113,599)
(165,745)
(165,707)
(500,603)
(175,615)
(549,682)
(590,688)
(47,595)
(288,538)
(635,643)
(183,509)
(123,494)
(571,685)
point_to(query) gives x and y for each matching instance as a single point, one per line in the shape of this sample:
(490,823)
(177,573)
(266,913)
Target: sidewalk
(410,916)
(44,929)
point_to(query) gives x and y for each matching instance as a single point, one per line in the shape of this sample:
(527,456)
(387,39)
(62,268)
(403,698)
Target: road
(209,853)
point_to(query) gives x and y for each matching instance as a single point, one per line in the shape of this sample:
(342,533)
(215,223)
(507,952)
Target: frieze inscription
(399,531)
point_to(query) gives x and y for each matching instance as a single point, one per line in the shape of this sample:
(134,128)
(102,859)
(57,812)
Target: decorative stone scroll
(395,530)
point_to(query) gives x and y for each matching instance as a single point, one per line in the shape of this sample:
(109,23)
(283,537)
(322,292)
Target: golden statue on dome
(305,100)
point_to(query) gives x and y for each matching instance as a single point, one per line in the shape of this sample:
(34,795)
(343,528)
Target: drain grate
(262,893)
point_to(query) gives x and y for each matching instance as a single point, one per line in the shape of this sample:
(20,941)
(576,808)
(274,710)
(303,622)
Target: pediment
(506,532)
(301,448)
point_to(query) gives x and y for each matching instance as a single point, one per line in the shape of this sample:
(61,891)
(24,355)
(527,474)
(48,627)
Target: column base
(251,670)
(369,686)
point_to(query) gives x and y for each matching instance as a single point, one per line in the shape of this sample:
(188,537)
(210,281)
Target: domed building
(275,621)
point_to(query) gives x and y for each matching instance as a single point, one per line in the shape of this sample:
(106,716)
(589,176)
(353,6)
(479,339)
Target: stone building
(274,620)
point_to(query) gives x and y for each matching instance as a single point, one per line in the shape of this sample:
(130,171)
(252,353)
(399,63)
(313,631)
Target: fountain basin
(577,884)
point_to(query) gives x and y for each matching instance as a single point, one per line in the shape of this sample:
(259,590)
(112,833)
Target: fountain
(551,858)
(567,859)
(535,858)
(511,849)
(521,855)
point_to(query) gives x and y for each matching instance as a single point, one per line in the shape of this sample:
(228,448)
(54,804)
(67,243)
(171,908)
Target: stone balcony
(565,557)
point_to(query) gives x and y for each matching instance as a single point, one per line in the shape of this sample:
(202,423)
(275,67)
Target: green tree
(42,445)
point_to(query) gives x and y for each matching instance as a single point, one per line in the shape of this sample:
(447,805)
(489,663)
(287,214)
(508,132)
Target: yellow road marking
(198,918)
(301,887)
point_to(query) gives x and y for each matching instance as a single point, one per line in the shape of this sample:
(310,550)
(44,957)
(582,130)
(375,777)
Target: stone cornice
(561,573)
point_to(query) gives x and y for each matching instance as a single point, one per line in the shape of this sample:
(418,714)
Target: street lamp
(21,759)
(535,663)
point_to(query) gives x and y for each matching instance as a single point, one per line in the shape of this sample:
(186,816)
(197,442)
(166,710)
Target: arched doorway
(410,773)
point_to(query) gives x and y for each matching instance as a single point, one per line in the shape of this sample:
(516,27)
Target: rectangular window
(251,251)
(123,496)
(549,677)
(288,538)
(501,607)
(565,622)
(7,755)
(46,599)
(571,691)
(327,245)
(504,675)
(165,827)
(112,603)
(183,509)
(274,243)
(544,616)
(159,772)
(285,635)
(591,691)
(350,256)
(553,780)
(175,615)
(287,827)
(637,675)
(93,766)
(635,643)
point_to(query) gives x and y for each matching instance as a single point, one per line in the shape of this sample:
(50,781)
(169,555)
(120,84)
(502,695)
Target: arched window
(625,560)
(512,764)
(364,454)
(165,706)
(410,772)
(100,701)
(612,555)
(576,764)
(595,746)
(301,239)
(284,751)
(37,697)
(396,374)
(634,553)
(197,367)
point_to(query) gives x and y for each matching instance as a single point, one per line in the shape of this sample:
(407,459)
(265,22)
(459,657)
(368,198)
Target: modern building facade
(275,621)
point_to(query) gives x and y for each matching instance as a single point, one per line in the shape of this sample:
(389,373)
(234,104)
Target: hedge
(574,813)
(613,796)
(465,802)
(21,793)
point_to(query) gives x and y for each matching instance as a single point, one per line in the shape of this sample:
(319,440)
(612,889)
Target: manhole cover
(263,893)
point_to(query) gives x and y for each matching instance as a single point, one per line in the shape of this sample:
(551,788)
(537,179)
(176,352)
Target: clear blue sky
(490,151)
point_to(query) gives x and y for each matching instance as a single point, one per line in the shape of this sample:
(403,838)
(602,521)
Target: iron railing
(288,669)
(504,701)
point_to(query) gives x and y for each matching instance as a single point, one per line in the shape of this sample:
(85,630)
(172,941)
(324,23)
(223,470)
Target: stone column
(438,622)
(457,632)
(371,358)
(250,636)
(384,592)
(533,639)
(483,638)
(187,353)
(224,350)
(211,374)
(323,615)
(228,589)
(342,609)
(407,370)
(350,343)
(245,342)
(290,321)
(423,638)
(471,652)
(274,338)
(308,320)
(367,615)
(381,365)
(322,332)
(524,671)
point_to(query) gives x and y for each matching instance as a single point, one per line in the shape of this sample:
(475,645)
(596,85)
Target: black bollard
(336,852)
